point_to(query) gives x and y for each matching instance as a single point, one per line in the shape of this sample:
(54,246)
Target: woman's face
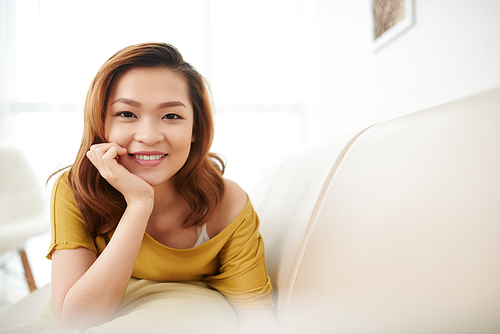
(150,114)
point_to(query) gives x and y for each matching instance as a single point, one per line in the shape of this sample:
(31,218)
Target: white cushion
(147,307)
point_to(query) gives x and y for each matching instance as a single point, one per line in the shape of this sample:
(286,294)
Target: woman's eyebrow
(138,104)
(127,101)
(172,104)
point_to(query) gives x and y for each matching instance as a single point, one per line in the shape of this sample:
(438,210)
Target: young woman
(146,199)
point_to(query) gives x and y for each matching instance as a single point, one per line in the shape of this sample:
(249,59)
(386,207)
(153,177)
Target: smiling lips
(148,160)
(148,157)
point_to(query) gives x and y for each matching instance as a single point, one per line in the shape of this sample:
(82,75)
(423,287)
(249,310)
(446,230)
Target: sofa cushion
(153,307)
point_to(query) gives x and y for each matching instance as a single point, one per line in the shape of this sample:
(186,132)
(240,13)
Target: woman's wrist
(141,205)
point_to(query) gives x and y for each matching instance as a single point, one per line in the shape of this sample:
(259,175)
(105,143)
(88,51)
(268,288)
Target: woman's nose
(148,132)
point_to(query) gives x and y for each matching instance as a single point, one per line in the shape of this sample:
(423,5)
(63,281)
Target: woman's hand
(105,157)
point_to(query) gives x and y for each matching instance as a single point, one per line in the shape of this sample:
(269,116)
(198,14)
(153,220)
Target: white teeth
(148,157)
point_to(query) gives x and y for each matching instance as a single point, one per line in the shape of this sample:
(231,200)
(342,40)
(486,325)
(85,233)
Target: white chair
(23,207)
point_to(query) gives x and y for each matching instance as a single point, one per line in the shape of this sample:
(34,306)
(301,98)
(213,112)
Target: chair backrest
(21,197)
(20,192)
(286,198)
(408,236)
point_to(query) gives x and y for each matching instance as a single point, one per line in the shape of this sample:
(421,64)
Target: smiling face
(150,114)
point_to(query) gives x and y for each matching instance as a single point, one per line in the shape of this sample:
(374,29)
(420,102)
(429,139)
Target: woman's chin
(154,181)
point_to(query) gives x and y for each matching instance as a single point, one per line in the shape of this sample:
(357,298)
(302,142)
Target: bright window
(249,51)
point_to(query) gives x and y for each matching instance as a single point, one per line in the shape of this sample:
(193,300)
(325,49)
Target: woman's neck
(170,208)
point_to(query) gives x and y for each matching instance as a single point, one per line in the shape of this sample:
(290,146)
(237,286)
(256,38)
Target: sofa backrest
(287,197)
(407,238)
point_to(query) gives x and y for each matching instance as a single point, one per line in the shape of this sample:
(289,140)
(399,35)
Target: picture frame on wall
(390,19)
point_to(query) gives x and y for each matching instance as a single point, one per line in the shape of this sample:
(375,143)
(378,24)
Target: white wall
(451,51)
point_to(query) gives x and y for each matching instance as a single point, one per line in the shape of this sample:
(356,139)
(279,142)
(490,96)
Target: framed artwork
(390,19)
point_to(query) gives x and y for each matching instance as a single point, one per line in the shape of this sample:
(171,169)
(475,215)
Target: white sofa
(392,229)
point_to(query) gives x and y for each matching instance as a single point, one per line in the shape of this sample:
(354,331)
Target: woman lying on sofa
(146,200)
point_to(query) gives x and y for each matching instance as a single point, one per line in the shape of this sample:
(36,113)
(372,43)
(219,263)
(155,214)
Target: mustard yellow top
(232,262)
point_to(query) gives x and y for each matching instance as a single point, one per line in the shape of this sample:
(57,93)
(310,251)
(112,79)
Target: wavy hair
(199,181)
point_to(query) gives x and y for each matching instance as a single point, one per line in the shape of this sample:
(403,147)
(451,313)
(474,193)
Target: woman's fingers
(100,152)
(104,156)
(114,152)
(111,154)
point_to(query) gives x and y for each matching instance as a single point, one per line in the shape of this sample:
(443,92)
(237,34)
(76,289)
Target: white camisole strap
(202,235)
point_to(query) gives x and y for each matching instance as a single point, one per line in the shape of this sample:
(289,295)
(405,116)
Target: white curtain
(251,52)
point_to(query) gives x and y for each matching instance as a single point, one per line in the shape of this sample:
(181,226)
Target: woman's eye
(126,114)
(171,116)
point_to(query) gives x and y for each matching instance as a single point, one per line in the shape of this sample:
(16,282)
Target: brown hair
(199,181)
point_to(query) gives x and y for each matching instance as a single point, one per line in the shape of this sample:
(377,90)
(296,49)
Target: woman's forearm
(95,296)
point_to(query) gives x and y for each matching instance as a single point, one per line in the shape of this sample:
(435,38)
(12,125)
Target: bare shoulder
(234,201)
(235,196)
